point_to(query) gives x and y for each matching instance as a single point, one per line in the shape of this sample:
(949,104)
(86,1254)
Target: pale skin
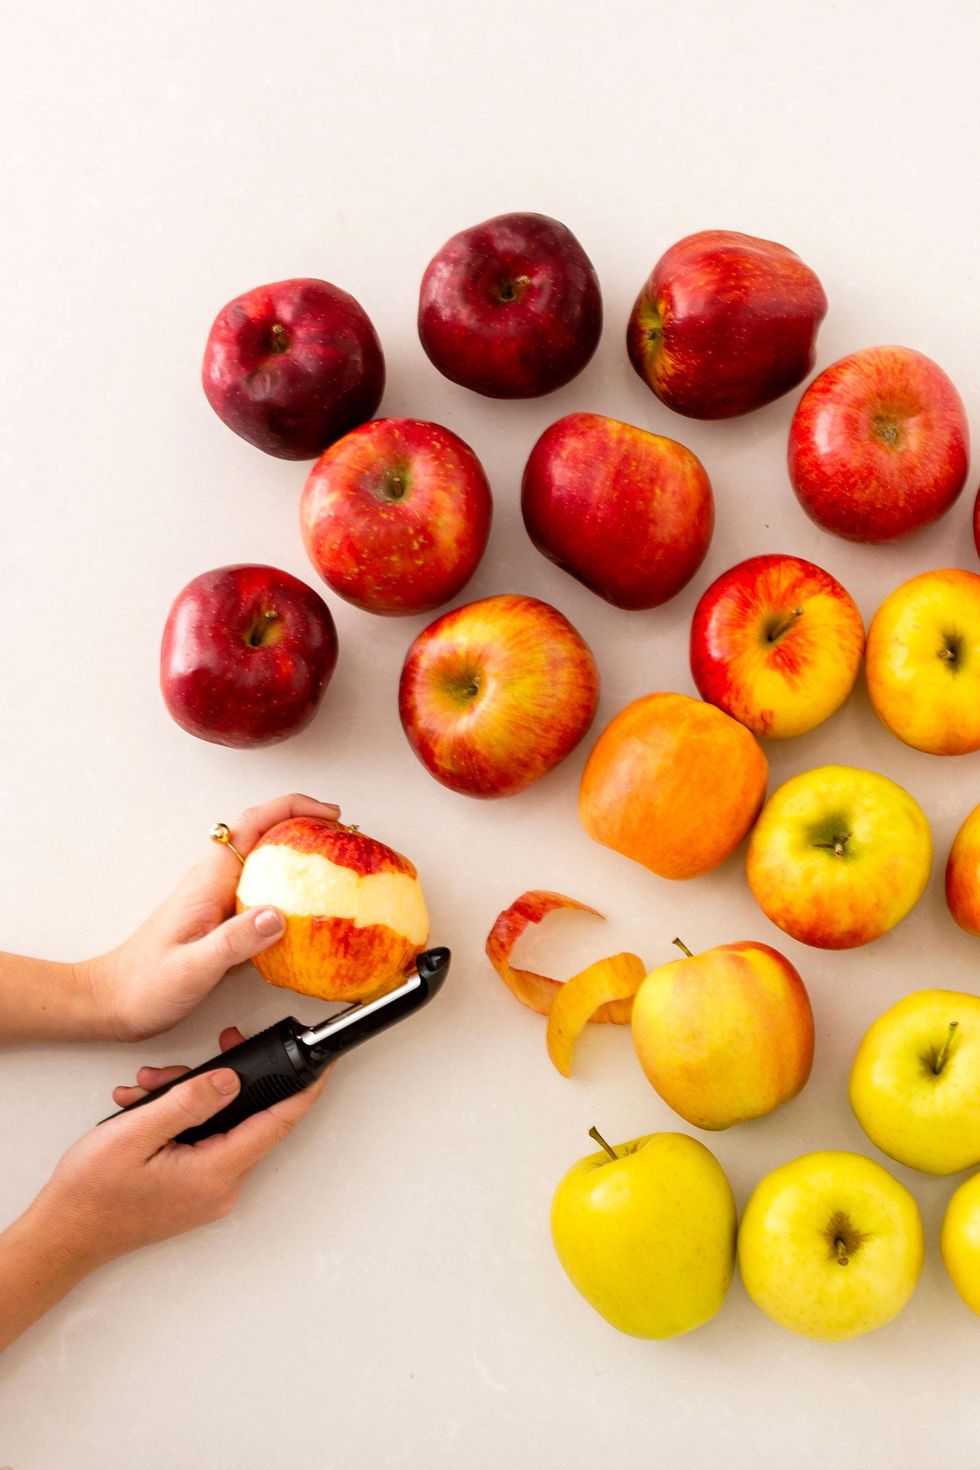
(127,1184)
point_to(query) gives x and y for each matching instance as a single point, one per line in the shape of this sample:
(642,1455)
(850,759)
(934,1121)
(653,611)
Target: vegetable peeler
(288,1056)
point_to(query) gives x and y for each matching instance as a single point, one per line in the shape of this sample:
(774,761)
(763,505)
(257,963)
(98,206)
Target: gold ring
(221,834)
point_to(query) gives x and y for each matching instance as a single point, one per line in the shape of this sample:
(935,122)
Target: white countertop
(386,1293)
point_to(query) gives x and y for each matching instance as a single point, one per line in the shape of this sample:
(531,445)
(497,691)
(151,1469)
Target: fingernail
(332,808)
(268,922)
(224,1080)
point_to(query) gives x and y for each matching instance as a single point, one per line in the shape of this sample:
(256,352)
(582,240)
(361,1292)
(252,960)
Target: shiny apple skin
(396,515)
(293,366)
(776,642)
(628,513)
(963,874)
(725,323)
(220,687)
(511,308)
(879,445)
(495,694)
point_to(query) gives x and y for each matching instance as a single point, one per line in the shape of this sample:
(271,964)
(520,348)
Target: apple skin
(354,911)
(292,366)
(725,323)
(674,784)
(628,513)
(396,516)
(963,875)
(921,1117)
(648,1238)
(724,1035)
(788,1253)
(511,308)
(495,694)
(839,899)
(923,662)
(959,1241)
(879,445)
(976,522)
(776,642)
(247,653)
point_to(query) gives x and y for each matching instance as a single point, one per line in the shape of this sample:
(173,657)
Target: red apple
(292,366)
(976,523)
(494,694)
(628,513)
(247,653)
(395,516)
(725,323)
(776,642)
(879,444)
(511,308)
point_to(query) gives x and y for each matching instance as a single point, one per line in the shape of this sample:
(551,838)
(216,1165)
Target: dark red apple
(511,308)
(292,366)
(879,445)
(725,323)
(395,516)
(247,653)
(628,513)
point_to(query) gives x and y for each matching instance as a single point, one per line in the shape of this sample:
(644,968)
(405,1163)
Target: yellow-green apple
(963,874)
(495,694)
(628,513)
(247,653)
(725,323)
(673,783)
(511,307)
(830,1245)
(915,1082)
(354,911)
(292,366)
(395,516)
(959,1241)
(724,1035)
(879,445)
(839,856)
(923,662)
(646,1232)
(776,642)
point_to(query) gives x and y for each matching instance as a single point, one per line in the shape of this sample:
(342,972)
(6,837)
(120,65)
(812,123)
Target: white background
(386,1293)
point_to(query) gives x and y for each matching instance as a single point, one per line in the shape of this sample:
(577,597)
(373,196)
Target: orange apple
(674,784)
(355,916)
(776,642)
(724,1035)
(963,875)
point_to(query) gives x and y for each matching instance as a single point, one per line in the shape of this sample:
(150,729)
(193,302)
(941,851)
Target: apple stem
(681,945)
(594,1133)
(776,631)
(842,1256)
(940,1061)
(279,339)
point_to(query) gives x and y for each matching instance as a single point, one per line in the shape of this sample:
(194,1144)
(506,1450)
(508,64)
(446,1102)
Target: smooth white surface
(386,1293)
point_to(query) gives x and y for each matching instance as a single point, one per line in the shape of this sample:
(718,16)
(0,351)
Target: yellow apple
(915,1083)
(960,1242)
(830,1245)
(646,1232)
(963,874)
(839,856)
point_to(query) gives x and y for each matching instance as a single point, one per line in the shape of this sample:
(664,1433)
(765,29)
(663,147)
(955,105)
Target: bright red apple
(293,366)
(725,323)
(495,694)
(247,653)
(879,444)
(511,308)
(395,516)
(628,513)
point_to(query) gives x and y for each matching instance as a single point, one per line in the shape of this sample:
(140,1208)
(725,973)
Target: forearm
(47,1000)
(38,1266)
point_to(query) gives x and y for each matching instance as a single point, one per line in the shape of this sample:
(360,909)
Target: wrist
(96,995)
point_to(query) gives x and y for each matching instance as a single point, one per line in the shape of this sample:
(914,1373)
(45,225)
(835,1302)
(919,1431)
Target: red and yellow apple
(923,662)
(674,784)
(963,874)
(776,642)
(839,856)
(354,911)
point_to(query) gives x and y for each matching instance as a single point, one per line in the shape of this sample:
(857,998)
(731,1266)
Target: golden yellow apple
(959,1241)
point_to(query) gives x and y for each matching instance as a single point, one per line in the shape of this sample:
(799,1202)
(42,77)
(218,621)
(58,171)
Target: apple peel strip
(609,984)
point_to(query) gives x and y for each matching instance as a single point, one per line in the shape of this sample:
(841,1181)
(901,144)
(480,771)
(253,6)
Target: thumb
(231,943)
(184,1106)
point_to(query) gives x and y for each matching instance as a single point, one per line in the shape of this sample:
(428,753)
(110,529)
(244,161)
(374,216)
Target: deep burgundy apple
(247,653)
(395,516)
(725,323)
(879,445)
(628,513)
(511,308)
(292,366)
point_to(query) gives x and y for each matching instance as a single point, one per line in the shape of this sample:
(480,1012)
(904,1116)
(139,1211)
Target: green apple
(646,1232)
(830,1245)
(915,1083)
(960,1241)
